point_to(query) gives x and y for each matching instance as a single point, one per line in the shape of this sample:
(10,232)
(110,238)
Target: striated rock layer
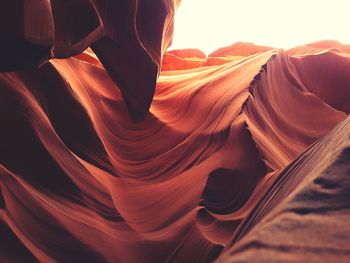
(218,163)
(304,216)
(135,33)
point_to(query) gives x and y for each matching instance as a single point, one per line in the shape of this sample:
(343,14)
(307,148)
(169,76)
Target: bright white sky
(210,24)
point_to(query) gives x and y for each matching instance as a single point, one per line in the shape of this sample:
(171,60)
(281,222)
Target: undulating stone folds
(233,157)
(128,36)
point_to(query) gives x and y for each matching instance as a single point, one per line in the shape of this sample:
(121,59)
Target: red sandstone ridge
(235,52)
(320,46)
(331,44)
(183,59)
(239,49)
(188,53)
(193,58)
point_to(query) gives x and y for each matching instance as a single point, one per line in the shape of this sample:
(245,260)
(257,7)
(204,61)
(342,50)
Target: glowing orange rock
(183,59)
(239,49)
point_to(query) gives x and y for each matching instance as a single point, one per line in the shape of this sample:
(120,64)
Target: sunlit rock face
(193,58)
(236,159)
(183,59)
(239,49)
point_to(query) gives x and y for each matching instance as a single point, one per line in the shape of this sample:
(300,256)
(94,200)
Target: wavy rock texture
(132,32)
(193,58)
(304,216)
(80,181)
(215,161)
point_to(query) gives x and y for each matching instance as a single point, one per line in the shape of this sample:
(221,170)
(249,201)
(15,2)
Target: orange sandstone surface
(239,157)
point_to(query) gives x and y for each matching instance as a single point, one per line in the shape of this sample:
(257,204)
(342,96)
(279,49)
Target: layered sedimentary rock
(239,49)
(134,33)
(181,59)
(304,216)
(232,157)
(80,181)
